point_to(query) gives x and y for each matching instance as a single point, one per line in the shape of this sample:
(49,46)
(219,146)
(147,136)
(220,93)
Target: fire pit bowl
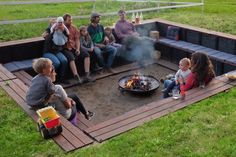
(138,84)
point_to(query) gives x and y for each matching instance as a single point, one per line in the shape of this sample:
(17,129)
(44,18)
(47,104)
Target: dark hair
(201,64)
(66,16)
(87,37)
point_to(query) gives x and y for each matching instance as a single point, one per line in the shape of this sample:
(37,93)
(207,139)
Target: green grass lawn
(218,15)
(206,128)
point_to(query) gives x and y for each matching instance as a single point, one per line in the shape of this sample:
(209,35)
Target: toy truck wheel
(59,129)
(44,132)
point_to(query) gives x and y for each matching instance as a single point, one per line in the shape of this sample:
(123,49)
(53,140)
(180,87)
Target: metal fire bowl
(154,84)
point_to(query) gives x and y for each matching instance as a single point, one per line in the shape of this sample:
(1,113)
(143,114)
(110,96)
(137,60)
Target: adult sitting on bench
(123,28)
(96,31)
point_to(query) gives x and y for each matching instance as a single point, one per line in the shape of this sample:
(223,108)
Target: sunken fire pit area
(109,98)
(130,97)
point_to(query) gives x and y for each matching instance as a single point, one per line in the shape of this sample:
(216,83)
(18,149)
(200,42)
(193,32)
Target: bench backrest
(21,49)
(211,39)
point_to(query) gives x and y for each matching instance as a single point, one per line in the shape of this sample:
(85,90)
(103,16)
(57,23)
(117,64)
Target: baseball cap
(95,15)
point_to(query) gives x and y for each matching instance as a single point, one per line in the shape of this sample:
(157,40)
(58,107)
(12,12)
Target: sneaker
(97,68)
(78,79)
(89,79)
(89,115)
(163,90)
(110,70)
(162,80)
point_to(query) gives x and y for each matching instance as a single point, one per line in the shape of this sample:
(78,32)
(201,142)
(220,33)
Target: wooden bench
(71,137)
(19,65)
(220,47)
(192,48)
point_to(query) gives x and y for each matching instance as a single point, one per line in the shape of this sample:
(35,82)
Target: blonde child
(110,38)
(43,92)
(182,74)
(59,33)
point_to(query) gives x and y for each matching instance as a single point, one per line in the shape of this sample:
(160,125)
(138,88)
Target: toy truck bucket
(48,117)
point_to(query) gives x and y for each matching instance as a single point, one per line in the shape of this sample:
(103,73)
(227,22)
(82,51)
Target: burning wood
(138,82)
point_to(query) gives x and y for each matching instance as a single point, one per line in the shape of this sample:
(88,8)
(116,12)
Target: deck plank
(71,138)
(24,77)
(146,113)
(5,74)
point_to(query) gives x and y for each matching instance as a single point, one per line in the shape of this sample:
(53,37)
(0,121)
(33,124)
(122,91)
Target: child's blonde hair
(108,29)
(186,61)
(40,64)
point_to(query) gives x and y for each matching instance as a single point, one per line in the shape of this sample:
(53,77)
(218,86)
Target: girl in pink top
(202,72)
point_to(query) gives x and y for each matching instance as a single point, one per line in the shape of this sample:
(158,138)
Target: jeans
(59,62)
(111,50)
(169,85)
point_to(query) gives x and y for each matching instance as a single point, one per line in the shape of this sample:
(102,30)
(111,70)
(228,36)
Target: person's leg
(71,59)
(63,64)
(55,61)
(79,106)
(99,55)
(170,87)
(111,54)
(165,92)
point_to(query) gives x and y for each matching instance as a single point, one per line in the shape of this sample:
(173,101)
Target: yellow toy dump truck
(49,124)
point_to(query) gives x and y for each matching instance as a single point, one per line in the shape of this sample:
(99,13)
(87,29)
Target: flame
(129,83)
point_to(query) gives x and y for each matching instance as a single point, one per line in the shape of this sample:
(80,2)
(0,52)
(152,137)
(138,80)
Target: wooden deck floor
(74,138)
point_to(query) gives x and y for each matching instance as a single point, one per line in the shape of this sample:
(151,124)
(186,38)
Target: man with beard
(96,31)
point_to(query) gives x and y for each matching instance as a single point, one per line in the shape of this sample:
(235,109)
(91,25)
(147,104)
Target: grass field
(205,129)
(218,15)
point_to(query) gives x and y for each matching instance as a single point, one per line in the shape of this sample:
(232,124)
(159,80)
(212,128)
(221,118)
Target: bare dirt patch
(104,98)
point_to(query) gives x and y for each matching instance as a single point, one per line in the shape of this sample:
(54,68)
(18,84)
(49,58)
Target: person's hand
(101,46)
(53,75)
(106,40)
(45,34)
(176,82)
(69,103)
(77,52)
(91,49)
(181,80)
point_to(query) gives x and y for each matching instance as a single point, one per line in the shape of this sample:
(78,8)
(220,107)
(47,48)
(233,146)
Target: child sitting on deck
(43,92)
(182,73)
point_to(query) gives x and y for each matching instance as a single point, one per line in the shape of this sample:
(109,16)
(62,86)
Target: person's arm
(189,84)
(66,30)
(118,31)
(53,28)
(83,48)
(113,40)
(77,41)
